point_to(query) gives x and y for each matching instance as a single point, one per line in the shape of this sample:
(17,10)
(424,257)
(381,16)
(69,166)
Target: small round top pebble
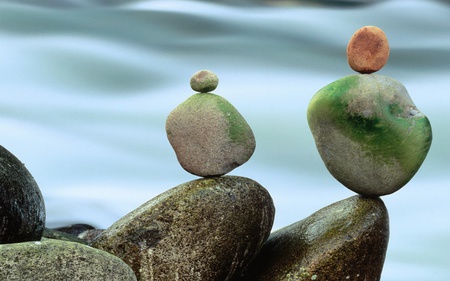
(368,50)
(204,81)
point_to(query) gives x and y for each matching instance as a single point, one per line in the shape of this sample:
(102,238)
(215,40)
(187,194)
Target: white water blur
(84,93)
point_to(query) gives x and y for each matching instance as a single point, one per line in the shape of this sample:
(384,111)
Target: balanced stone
(343,241)
(209,136)
(207,229)
(204,81)
(22,210)
(370,135)
(368,50)
(57,260)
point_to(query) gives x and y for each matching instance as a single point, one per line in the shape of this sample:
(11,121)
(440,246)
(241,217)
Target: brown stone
(209,136)
(368,50)
(207,229)
(343,241)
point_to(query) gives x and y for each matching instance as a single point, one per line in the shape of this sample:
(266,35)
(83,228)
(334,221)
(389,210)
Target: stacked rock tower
(205,229)
(372,139)
(368,132)
(370,135)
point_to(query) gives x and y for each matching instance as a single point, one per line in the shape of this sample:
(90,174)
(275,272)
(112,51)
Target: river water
(86,87)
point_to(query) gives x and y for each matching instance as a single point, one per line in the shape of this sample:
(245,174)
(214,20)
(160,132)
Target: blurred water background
(86,86)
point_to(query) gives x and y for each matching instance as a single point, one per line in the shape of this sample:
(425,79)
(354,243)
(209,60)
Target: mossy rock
(209,136)
(370,135)
(58,260)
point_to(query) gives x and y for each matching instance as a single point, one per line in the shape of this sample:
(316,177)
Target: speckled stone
(207,229)
(368,50)
(22,210)
(57,260)
(343,241)
(204,81)
(370,135)
(209,136)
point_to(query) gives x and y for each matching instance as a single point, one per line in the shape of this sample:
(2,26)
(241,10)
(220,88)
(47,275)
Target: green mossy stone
(209,136)
(343,241)
(22,209)
(58,260)
(370,135)
(207,229)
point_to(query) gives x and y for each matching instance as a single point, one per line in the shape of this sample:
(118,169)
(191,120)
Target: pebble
(368,50)
(22,209)
(343,241)
(58,260)
(370,135)
(209,136)
(206,229)
(204,81)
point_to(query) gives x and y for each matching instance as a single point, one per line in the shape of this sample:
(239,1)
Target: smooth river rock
(343,241)
(368,49)
(206,229)
(209,136)
(370,135)
(22,209)
(55,260)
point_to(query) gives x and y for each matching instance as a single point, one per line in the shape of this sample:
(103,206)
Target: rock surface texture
(209,136)
(343,241)
(57,260)
(207,229)
(22,210)
(370,135)
(368,50)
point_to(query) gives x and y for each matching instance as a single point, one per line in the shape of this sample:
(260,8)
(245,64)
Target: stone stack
(372,139)
(370,135)
(209,228)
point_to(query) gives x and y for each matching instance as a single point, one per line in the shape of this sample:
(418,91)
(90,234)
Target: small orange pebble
(368,50)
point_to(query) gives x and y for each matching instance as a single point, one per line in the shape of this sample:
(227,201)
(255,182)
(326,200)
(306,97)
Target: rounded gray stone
(207,229)
(370,135)
(22,209)
(346,240)
(209,136)
(58,260)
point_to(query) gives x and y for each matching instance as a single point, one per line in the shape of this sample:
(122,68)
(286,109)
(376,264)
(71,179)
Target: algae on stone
(209,136)
(370,135)
(58,260)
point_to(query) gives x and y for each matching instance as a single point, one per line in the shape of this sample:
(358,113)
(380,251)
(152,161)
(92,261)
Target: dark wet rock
(343,241)
(209,136)
(75,229)
(207,229)
(22,210)
(59,235)
(58,260)
(370,135)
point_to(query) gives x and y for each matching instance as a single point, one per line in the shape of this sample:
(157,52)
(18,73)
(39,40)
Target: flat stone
(58,260)
(368,49)
(370,135)
(207,229)
(22,209)
(343,241)
(209,136)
